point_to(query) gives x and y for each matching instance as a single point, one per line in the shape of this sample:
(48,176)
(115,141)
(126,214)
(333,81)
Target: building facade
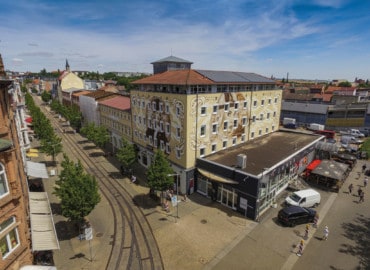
(15,244)
(190,114)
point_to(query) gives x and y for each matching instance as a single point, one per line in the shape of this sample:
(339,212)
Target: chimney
(241,161)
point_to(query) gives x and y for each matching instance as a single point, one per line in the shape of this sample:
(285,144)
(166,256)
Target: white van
(304,198)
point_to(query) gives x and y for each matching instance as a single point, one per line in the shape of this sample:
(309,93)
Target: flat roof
(264,152)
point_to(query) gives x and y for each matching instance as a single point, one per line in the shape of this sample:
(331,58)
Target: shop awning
(30,154)
(313,164)
(43,233)
(35,169)
(214,177)
(29,120)
(33,150)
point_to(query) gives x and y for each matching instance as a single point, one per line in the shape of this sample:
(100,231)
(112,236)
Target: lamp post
(177,194)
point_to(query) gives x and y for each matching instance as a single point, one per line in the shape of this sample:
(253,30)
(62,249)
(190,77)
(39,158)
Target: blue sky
(309,39)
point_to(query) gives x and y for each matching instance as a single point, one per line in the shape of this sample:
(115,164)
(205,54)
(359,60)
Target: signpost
(89,237)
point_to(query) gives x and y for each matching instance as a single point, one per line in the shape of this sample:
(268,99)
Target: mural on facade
(223,114)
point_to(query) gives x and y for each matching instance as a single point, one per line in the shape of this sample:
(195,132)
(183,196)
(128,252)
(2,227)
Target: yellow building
(68,82)
(193,113)
(115,115)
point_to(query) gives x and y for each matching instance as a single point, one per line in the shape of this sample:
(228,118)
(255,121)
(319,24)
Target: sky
(301,39)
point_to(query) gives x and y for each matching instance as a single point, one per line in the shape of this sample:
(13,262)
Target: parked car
(294,215)
(304,198)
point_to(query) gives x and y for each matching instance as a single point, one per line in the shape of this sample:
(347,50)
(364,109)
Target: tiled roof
(172,59)
(99,94)
(176,77)
(118,102)
(234,77)
(201,77)
(81,93)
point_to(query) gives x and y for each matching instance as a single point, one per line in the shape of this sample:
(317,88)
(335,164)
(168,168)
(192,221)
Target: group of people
(360,192)
(324,237)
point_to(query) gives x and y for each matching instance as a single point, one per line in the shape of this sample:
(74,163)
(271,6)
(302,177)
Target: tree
(52,146)
(160,173)
(78,192)
(345,84)
(126,154)
(46,96)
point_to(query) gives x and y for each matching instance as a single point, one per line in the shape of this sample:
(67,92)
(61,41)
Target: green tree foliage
(78,192)
(52,146)
(159,173)
(46,96)
(345,84)
(97,134)
(126,154)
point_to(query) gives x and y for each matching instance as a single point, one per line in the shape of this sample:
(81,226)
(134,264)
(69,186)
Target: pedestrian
(315,220)
(363,168)
(300,248)
(166,207)
(185,198)
(359,191)
(306,231)
(326,233)
(366,181)
(350,188)
(362,197)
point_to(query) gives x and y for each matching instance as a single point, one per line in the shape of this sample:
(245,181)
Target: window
(261,116)
(224,144)
(235,123)
(236,106)
(226,107)
(10,241)
(254,119)
(234,140)
(262,102)
(161,126)
(255,103)
(161,143)
(268,115)
(214,128)
(215,108)
(269,100)
(202,151)
(260,132)
(168,128)
(252,135)
(160,106)
(203,110)
(273,128)
(178,153)
(276,99)
(167,108)
(168,149)
(203,130)
(3,181)
(274,114)
(245,104)
(267,130)
(226,124)
(178,132)
(178,110)
(214,147)
(155,144)
(244,121)
(154,106)
(243,138)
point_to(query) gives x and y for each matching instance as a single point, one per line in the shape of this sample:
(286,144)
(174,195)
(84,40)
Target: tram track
(134,245)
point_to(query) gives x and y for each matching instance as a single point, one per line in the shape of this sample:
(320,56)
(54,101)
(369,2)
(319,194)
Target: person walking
(300,248)
(362,197)
(350,188)
(363,168)
(326,233)
(306,231)
(359,191)
(315,220)
(366,180)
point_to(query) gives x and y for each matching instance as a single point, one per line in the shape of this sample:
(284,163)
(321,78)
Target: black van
(293,215)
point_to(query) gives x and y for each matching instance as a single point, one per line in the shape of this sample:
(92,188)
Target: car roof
(305,192)
(294,209)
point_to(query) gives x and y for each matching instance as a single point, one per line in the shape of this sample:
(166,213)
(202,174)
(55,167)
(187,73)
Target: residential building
(68,82)
(15,243)
(190,114)
(115,115)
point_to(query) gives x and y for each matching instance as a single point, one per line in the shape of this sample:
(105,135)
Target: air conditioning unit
(241,161)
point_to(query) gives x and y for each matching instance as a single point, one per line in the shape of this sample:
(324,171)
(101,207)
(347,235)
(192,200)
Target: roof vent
(241,161)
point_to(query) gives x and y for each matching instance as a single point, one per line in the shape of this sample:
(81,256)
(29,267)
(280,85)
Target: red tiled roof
(81,93)
(176,77)
(118,102)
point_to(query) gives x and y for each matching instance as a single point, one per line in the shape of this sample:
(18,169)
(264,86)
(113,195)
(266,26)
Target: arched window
(4,190)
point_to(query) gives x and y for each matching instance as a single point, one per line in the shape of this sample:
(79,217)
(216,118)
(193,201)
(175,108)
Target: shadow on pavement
(66,230)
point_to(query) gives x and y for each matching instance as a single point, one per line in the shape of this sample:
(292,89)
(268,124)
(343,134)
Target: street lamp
(177,193)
